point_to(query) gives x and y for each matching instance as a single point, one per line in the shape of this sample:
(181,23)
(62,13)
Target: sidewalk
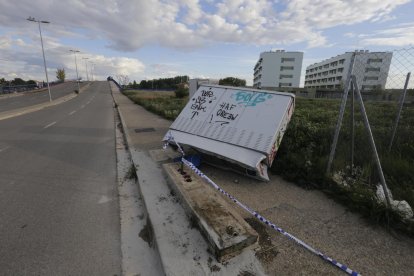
(308,215)
(183,251)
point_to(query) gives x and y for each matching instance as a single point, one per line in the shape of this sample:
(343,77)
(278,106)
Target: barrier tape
(257,215)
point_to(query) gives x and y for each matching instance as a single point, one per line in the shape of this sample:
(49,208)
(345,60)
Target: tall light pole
(92,69)
(86,67)
(76,66)
(32,19)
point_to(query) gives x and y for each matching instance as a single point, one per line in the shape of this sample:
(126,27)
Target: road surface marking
(3,149)
(72,112)
(82,106)
(49,125)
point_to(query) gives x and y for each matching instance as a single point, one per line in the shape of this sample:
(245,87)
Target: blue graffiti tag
(250,98)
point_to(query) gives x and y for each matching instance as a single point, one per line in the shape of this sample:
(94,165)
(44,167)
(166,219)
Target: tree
(231,81)
(60,74)
(18,81)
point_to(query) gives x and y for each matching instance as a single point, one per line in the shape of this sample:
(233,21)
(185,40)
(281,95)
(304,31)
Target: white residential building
(370,69)
(278,69)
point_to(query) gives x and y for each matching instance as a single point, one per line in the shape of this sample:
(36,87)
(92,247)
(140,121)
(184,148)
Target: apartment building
(370,69)
(278,69)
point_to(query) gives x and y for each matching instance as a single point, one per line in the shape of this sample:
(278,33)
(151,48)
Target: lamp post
(32,19)
(92,69)
(76,66)
(86,67)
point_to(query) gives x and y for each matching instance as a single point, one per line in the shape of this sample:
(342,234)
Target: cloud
(396,36)
(128,25)
(330,13)
(25,60)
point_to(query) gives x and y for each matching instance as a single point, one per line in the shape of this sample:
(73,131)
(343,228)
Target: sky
(146,39)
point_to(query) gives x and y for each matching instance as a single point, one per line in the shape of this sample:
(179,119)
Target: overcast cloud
(129,25)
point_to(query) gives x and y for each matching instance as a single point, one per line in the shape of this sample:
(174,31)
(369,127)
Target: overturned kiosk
(234,128)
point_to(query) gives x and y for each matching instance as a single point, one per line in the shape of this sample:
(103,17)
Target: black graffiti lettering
(226,115)
(205,93)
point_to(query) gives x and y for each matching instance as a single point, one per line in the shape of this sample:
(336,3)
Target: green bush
(181,92)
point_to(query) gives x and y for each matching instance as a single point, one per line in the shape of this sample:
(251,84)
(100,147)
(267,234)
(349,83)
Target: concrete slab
(226,231)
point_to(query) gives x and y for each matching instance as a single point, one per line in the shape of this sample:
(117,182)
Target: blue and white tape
(258,216)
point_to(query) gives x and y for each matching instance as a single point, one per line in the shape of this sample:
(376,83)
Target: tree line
(16,81)
(173,83)
(159,84)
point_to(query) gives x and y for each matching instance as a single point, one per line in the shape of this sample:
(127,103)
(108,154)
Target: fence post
(372,142)
(402,99)
(352,129)
(341,116)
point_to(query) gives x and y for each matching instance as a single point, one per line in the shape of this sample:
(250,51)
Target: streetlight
(76,65)
(32,19)
(92,69)
(86,67)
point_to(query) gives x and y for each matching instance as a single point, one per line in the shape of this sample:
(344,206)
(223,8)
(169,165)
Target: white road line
(3,149)
(49,125)
(82,106)
(74,111)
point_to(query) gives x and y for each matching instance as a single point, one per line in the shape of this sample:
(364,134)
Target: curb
(128,149)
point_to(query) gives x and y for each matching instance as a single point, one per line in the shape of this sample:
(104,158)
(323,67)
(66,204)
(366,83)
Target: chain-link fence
(382,75)
(373,135)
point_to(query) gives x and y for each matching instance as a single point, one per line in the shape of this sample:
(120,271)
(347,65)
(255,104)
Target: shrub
(181,92)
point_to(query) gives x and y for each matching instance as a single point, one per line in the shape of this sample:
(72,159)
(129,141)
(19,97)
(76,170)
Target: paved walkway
(182,249)
(309,215)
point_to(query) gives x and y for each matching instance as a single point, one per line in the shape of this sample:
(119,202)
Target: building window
(340,70)
(286,76)
(370,78)
(342,61)
(372,69)
(284,84)
(282,68)
(370,87)
(288,60)
(370,60)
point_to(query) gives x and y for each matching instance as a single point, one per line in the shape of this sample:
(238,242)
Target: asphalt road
(29,99)
(58,197)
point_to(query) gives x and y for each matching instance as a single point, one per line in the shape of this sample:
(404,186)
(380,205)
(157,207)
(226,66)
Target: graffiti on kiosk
(226,112)
(250,98)
(200,103)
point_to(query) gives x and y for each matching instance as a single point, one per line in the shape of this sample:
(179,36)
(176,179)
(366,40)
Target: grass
(164,104)
(303,153)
